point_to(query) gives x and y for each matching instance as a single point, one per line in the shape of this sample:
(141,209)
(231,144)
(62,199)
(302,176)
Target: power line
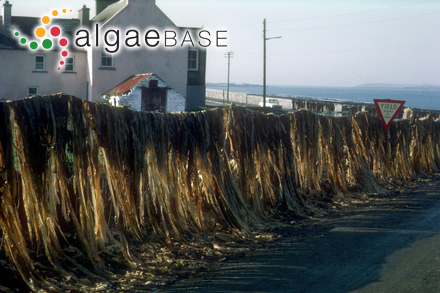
(357,23)
(356,50)
(339,51)
(344,14)
(352,13)
(251,24)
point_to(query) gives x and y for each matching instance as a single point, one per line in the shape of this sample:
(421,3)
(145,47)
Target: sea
(427,99)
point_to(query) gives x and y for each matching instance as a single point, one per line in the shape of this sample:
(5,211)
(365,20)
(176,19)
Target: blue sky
(323,43)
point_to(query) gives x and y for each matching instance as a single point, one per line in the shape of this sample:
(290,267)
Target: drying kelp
(355,153)
(80,177)
(262,149)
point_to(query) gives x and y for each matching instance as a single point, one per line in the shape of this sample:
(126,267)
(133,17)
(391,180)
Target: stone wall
(243,98)
(328,108)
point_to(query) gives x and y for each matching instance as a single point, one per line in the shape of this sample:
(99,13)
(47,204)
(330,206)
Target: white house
(25,72)
(146,92)
(90,71)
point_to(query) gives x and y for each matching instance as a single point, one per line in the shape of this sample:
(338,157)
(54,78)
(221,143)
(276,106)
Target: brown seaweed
(102,173)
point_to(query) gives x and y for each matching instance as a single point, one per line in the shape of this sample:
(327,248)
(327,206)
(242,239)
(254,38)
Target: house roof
(109,11)
(128,84)
(7,40)
(26,27)
(114,8)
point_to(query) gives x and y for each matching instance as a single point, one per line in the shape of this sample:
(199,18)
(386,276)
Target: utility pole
(264,60)
(229,55)
(264,64)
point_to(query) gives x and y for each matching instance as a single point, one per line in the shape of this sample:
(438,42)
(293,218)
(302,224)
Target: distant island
(399,86)
(365,85)
(234,84)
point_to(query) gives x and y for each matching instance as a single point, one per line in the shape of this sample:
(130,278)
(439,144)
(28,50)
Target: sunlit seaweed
(101,173)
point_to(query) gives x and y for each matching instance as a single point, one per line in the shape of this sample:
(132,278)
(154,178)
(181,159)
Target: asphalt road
(387,245)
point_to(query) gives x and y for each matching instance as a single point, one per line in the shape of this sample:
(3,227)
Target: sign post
(388,110)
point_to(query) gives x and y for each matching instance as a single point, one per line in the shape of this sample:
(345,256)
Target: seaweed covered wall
(86,175)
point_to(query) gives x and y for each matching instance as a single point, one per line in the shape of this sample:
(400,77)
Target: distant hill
(399,86)
(234,84)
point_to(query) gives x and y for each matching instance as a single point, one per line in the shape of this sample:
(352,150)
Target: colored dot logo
(47,44)
(33,45)
(55,31)
(40,32)
(45,20)
(46,35)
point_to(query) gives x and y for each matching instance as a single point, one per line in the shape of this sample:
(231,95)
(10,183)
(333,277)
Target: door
(154,99)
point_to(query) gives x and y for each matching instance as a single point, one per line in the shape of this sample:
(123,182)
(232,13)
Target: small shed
(146,92)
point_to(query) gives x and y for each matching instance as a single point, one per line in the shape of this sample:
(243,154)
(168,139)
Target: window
(193,59)
(107,59)
(40,63)
(32,90)
(70,64)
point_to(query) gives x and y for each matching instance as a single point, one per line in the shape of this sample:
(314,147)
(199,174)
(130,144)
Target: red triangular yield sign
(388,110)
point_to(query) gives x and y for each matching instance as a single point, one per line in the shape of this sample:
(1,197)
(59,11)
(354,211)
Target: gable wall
(133,99)
(16,74)
(169,64)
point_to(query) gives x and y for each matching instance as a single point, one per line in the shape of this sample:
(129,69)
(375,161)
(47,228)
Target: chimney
(6,9)
(102,4)
(84,16)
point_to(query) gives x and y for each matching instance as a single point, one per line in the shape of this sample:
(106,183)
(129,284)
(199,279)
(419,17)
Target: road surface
(389,245)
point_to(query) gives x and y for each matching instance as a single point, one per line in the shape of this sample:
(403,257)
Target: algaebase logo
(133,38)
(48,36)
